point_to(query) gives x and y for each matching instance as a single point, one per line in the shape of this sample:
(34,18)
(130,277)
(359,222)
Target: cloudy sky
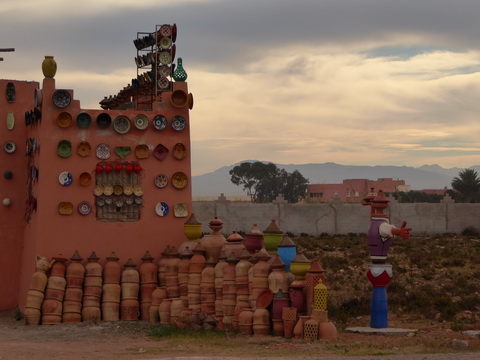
(356,82)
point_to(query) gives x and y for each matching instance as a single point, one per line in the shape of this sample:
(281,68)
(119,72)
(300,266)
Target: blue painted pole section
(379,308)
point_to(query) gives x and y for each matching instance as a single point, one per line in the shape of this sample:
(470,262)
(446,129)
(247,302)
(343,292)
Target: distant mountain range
(423,177)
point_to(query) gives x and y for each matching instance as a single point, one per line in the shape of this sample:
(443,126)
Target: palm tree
(467,183)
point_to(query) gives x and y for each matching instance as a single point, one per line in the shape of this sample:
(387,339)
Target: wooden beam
(7,49)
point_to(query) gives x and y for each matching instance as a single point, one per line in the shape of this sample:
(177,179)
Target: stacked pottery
(72,303)
(280,301)
(219,285)
(196,266)
(171,272)
(314,276)
(278,278)
(161,266)
(111,289)
(130,282)
(289,317)
(241,279)
(254,240)
(157,297)
(327,329)
(260,272)
(229,288)
(299,267)
(52,307)
(176,309)
(287,251)
(207,288)
(148,283)
(234,244)
(192,229)
(36,291)
(213,243)
(261,322)
(272,237)
(183,267)
(245,321)
(92,295)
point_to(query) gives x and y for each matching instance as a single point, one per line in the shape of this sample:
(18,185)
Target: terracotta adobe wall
(11,217)
(49,233)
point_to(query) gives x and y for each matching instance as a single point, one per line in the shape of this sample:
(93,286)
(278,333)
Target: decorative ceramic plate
(138,200)
(165,43)
(100,201)
(138,190)
(104,120)
(165,57)
(85,179)
(83,149)
(108,200)
(65,178)
(117,190)
(179,180)
(108,190)
(65,208)
(179,98)
(128,189)
(165,70)
(179,151)
(178,123)
(129,200)
(121,124)
(161,209)
(84,208)
(180,210)
(160,152)
(141,122)
(122,151)
(163,82)
(103,151)
(64,148)
(10,120)
(264,299)
(161,181)
(9,147)
(174,32)
(61,98)
(165,30)
(142,151)
(84,120)
(98,190)
(159,122)
(64,120)
(119,203)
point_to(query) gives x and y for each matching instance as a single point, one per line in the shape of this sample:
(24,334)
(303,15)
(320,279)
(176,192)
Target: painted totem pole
(380,235)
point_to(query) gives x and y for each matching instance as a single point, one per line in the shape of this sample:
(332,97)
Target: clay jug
(49,67)
(213,243)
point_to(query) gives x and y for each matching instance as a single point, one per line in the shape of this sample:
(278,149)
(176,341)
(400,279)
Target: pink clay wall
(51,234)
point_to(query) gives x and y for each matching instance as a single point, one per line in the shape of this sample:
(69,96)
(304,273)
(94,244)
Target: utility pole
(6,50)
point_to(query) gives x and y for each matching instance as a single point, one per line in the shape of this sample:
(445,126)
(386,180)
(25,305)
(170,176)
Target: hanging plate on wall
(180,210)
(178,123)
(10,92)
(141,122)
(103,151)
(161,181)
(121,124)
(10,120)
(65,178)
(64,148)
(84,120)
(9,147)
(159,122)
(161,209)
(61,98)
(179,180)
(84,208)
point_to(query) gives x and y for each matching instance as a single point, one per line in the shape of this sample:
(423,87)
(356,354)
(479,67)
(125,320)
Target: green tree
(264,182)
(467,186)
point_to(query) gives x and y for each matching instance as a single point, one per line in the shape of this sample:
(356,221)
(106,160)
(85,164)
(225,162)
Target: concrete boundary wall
(336,217)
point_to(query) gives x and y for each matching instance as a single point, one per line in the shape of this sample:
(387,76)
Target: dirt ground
(130,340)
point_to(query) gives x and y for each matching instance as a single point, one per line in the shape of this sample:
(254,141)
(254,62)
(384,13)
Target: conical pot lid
(235,237)
(245,255)
(199,249)
(186,253)
(211,262)
(300,258)
(277,263)
(193,220)
(76,256)
(129,263)
(280,295)
(147,256)
(255,231)
(232,258)
(286,242)
(262,255)
(93,256)
(112,257)
(273,228)
(316,267)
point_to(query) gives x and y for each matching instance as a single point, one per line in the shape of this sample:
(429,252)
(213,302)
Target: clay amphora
(272,237)
(93,268)
(112,270)
(130,282)
(254,240)
(49,67)
(213,243)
